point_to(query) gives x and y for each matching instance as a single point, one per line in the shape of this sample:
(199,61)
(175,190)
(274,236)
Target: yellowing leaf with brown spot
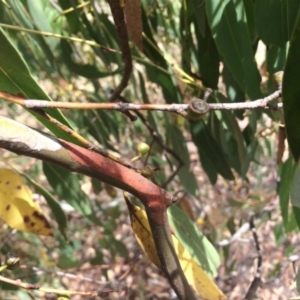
(201,282)
(17,207)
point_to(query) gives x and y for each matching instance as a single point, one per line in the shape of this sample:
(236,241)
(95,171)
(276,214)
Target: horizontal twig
(176,108)
(29,286)
(181,109)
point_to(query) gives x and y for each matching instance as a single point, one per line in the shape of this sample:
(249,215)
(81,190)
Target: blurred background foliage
(227,166)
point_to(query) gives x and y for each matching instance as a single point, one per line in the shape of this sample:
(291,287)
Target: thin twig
(180,109)
(158,140)
(29,286)
(236,237)
(256,282)
(55,35)
(262,103)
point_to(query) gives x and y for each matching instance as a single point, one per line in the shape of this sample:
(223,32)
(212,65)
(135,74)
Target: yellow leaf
(17,207)
(201,282)
(142,231)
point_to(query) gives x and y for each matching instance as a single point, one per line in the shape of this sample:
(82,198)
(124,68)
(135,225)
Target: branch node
(197,109)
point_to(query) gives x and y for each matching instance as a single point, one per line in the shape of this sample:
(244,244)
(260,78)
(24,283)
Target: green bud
(142,148)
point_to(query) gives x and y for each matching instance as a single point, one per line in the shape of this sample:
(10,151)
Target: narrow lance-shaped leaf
(228,23)
(275,20)
(85,70)
(295,189)
(15,78)
(169,86)
(286,175)
(295,193)
(208,58)
(199,247)
(291,92)
(186,176)
(67,186)
(204,139)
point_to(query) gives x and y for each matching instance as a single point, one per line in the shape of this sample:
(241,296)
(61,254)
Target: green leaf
(249,10)
(296,211)
(102,124)
(203,138)
(295,189)
(235,130)
(228,23)
(93,123)
(72,16)
(40,19)
(208,166)
(185,39)
(275,20)
(208,56)
(34,45)
(198,9)
(168,84)
(67,259)
(286,174)
(293,220)
(86,70)
(67,187)
(15,78)
(152,118)
(291,92)
(103,29)
(276,59)
(295,193)
(231,140)
(114,246)
(233,90)
(187,178)
(193,240)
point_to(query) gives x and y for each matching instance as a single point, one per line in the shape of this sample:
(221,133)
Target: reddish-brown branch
(119,19)
(24,140)
(154,198)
